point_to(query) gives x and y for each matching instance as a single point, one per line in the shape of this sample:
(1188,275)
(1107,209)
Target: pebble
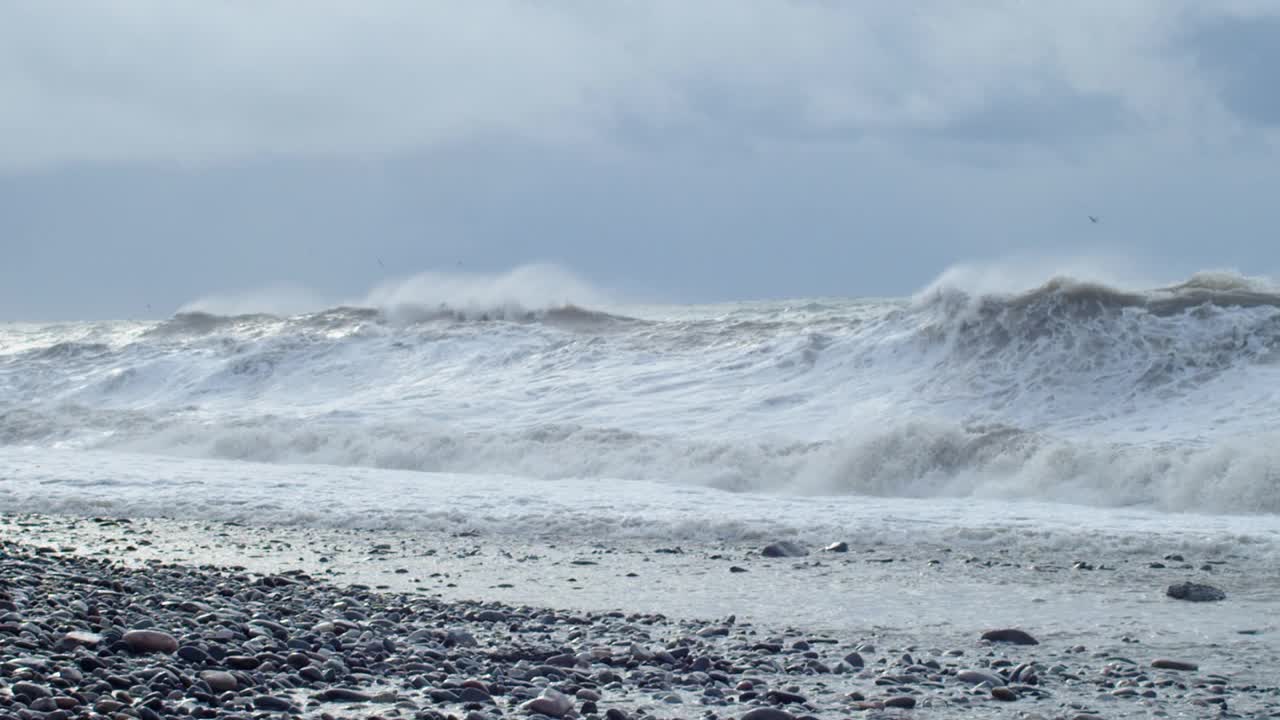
(1164,664)
(551,702)
(148,641)
(340,694)
(978,677)
(254,645)
(783,697)
(193,654)
(31,690)
(87,639)
(272,703)
(767,713)
(219,681)
(1003,694)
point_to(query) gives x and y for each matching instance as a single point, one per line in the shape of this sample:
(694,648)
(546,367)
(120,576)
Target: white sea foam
(1070,392)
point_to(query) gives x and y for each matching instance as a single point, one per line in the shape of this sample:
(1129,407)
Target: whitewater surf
(1071,392)
(1049,459)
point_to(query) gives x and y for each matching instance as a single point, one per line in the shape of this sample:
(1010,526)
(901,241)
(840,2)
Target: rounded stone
(193,654)
(1010,635)
(31,690)
(219,681)
(977,677)
(550,702)
(148,641)
(783,549)
(1165,664)
(274,704)
(1003,694)
(242,662)
(767,713)
(1195,592)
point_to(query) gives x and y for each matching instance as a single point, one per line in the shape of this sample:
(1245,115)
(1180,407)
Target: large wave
(1072,391)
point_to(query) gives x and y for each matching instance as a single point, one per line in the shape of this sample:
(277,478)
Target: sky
(155,153)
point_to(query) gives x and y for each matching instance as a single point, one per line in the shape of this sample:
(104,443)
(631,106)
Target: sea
(1067,420)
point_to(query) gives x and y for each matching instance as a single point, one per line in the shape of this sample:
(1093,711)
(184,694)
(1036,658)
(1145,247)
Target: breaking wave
(1073,391)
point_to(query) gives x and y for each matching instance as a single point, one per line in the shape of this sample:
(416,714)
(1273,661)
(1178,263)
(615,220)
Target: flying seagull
(1093,220)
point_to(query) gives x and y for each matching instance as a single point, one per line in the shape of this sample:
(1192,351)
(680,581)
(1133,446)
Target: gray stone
(339,694)
(783,549)
(460,638)
(1195,592)
(551,702)
(1010,635)
(1004,694)
(977,677)
(31,690)
(193,654)
(242,662)
(767,713)
(146,641)
(1164,664)
(80,637)
(274,704)
(474,695)
(219,681)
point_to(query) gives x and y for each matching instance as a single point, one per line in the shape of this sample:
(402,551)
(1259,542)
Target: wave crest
(1073,390)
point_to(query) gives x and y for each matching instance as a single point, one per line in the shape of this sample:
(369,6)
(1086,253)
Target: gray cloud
(149,80)
(1241,55)
(152,153)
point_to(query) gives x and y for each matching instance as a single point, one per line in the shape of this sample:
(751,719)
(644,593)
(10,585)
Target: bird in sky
(1093,219)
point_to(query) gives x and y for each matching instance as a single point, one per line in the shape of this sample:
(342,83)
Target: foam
(1067,391)
(586,509)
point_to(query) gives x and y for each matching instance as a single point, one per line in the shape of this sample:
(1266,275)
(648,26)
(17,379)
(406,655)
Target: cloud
(1241,53)
(149,81)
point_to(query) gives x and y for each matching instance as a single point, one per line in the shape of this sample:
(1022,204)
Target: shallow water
(996,562)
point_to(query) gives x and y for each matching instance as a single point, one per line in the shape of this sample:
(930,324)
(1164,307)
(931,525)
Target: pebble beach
(113,618)
(769,360)
(1058,504)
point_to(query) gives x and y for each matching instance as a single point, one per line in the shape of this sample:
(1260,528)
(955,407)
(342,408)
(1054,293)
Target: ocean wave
(348,318)
(1083,299)
(1072,391)
(911,458)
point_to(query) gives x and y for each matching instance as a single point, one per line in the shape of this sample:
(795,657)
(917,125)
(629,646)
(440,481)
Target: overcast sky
(155,152)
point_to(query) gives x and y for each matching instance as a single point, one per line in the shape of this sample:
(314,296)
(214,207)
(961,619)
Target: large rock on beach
(149,641)
(1010,635)
(1163,664)
(1195,592)
(783,549)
